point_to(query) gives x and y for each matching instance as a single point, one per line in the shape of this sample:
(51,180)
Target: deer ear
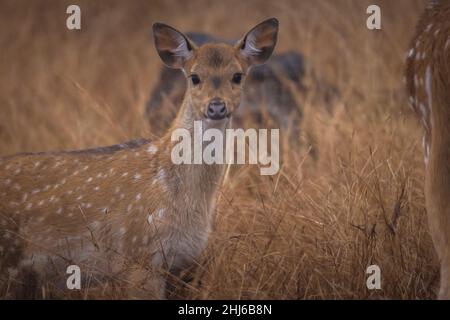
(258,44)
(173,47)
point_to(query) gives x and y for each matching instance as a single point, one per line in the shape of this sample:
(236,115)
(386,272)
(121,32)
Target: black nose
(217,109)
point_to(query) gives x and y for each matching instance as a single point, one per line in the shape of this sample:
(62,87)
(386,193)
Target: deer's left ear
(258,44)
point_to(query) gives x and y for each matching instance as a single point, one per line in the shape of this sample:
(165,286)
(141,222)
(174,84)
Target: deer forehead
(213,58)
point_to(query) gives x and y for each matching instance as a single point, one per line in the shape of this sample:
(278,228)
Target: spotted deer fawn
(125,212)
(428,83)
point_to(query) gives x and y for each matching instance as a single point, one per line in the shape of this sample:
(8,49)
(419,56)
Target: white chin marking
(217,124)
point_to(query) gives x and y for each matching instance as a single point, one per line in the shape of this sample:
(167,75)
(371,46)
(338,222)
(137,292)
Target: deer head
(215,72)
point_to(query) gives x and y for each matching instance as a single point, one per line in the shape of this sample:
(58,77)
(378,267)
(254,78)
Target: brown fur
(220,62)
(124,213)
(428,82)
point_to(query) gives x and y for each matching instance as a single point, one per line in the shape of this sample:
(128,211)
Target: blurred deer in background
(125,211)
(428,83)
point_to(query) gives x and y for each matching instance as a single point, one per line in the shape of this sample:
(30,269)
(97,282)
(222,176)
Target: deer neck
(197,184)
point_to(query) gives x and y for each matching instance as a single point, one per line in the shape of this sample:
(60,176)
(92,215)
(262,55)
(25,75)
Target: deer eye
(195,79)
(237,78)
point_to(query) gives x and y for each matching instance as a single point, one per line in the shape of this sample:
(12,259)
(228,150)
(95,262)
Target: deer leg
(444,291)
(438,210)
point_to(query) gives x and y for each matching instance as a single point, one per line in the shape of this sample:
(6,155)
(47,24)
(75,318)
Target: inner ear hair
(173,47)
(258,44)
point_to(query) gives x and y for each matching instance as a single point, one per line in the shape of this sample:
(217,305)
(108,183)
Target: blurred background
(349,193)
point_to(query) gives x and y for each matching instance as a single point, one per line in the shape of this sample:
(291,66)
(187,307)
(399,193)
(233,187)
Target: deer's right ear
(258,44)
(173,47)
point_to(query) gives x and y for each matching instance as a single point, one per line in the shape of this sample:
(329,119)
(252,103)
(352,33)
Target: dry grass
(308,233)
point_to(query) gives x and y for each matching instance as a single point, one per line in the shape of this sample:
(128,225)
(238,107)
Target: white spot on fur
(161,175)
(423,110)
(160,213)
(426,150)
(411,101)
(428,86)
(152,149)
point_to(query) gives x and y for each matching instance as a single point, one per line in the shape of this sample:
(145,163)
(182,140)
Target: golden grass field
(309,232)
